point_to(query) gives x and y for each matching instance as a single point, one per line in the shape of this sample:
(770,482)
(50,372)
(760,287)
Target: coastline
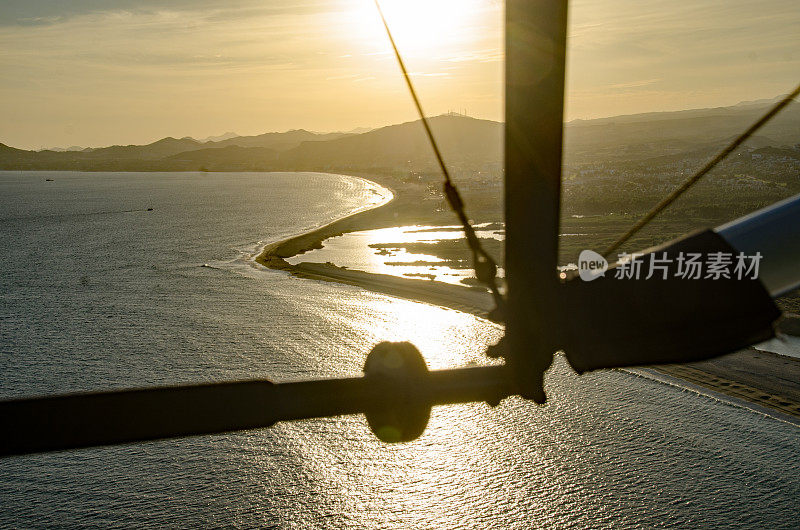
(472,300)
(762,378)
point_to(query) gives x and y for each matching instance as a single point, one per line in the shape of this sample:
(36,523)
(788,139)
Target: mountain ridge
(466,143)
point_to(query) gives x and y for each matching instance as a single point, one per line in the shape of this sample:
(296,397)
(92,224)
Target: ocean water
(96,293)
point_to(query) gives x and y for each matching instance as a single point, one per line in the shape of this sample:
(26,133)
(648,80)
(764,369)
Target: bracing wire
(688,183)
(485,266)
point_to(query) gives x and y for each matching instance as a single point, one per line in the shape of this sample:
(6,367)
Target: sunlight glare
(418,26)
(445,337)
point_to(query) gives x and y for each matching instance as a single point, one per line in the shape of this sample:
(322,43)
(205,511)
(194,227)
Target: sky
(103,72)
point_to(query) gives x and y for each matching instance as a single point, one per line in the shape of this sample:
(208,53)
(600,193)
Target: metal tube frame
(535,71)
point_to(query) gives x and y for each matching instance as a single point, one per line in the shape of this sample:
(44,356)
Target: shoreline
(762,378)
(476,301)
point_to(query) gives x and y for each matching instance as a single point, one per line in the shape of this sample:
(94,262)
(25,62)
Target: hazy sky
(100,72)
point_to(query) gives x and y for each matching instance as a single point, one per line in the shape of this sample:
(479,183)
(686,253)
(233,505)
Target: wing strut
(536,34)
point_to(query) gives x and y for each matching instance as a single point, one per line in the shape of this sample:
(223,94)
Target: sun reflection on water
(446,338)
(437,479)
(353,250)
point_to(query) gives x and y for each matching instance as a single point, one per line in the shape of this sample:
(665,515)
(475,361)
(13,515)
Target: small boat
(48,180)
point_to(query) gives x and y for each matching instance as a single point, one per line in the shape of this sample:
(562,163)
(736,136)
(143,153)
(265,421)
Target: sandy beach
(766,379)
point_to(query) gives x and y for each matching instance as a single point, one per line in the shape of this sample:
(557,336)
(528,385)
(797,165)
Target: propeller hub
(402,414)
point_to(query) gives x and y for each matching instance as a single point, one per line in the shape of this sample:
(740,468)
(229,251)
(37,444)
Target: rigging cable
(485,267)
(688,183)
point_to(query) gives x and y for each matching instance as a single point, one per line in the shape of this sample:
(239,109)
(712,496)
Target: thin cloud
(635,84)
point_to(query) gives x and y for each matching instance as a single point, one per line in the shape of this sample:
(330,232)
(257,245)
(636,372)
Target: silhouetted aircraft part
(774,232)
(615,321)
(535,67)
(396,394)
(401,368)
(611,322)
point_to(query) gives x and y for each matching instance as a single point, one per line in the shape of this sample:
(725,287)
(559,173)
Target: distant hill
(158,156)
(466,143)
(223,136)
(360,130)
(663,133)
(230,158)
(156,150)
(277,141)
(61,149)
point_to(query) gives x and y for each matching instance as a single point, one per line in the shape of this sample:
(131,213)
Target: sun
(420,27)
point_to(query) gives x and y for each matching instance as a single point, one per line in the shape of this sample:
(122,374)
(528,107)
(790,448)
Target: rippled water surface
(94,295)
